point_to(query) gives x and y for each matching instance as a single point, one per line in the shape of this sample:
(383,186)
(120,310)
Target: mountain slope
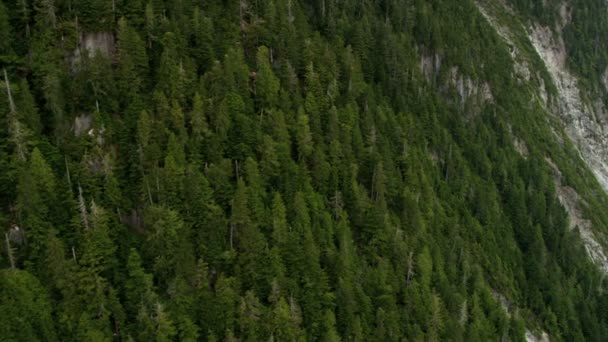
(302,170)
(580,119)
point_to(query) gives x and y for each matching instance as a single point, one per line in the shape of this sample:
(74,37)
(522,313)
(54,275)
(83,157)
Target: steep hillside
(303,170)
(580,111)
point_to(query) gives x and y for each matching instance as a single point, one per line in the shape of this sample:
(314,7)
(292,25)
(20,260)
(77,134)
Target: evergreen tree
(36,194)
(287,171)
(6,33)
(139,289)
(26,311)
(266,83)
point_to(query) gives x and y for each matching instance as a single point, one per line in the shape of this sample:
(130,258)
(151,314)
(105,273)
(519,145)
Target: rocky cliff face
(93,43)
(582,117)
(584,121)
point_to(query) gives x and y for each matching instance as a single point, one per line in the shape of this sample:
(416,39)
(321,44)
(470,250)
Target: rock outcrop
(93,43)
(583,120)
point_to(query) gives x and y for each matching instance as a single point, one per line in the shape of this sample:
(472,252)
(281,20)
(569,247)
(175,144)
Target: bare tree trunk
(67,172)
(231,236)
(9,251)
(149,192)
(8,92)
(22,229)
(242,9)
(410,272)
(83,208)
(15,130)
(372,192)
(447,164)
(323,9)
(464,313)
(290,17)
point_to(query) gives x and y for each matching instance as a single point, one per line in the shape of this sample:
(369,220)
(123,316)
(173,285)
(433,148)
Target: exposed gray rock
(479,92)
(583,122)
(82,124)
(520,147)
(571,201)
(510,309)
(521,67)
(565,14)
(531,337)
(93,43)
(605,79)
(430,65)
(15,235)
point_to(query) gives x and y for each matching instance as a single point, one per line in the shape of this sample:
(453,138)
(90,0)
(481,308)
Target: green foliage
(283,170)
(25,309)
(5,31)
(266,83)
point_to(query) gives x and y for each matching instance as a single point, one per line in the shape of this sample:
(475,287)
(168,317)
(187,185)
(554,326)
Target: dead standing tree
(9,251)
(15,130)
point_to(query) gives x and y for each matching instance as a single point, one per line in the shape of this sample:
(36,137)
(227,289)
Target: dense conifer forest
(289,170)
